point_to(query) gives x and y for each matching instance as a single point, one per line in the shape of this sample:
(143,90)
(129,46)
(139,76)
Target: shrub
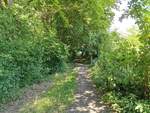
(119,76)
(25,57)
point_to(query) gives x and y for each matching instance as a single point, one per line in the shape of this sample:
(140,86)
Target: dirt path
(29,95)
(86,99)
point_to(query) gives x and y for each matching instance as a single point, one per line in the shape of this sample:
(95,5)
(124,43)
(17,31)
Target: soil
(86,97)
(29,95)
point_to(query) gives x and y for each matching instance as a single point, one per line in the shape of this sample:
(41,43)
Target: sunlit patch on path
(86,98)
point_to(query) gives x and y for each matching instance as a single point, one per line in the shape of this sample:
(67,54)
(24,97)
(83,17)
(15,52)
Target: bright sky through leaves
(122,26)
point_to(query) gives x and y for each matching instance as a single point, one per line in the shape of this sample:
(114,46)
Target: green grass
(57,99)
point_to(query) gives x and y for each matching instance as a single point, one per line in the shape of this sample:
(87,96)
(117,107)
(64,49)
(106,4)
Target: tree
(0,3)
(139,9)
(75,21)
(7,2)
(10,2)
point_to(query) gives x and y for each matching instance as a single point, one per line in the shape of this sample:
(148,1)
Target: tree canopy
(42,37)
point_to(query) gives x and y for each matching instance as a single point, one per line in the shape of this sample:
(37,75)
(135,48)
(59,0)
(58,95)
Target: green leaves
(119,73)
(27,53)
(139,9)
(75,21)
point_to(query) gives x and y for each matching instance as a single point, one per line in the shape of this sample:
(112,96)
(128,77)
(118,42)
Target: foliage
(122,71)
(25,56)
(79,24)
(127,104)
(139,9)
(117,64)
(118,74)
(37,36)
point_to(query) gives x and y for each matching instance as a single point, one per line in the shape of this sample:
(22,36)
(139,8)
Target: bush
(118,70)
(25,57)
(127,104)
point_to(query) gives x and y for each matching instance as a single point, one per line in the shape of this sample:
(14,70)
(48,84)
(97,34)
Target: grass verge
(58,97)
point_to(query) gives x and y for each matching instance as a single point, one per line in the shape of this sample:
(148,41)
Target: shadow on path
(86,98)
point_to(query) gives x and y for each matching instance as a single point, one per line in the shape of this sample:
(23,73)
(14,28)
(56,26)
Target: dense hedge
(25,57)
(118,74)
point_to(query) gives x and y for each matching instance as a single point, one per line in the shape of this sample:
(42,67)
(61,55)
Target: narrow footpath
(86,97)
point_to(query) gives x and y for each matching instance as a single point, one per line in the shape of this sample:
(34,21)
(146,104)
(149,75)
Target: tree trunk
(10,2)
(0,3)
